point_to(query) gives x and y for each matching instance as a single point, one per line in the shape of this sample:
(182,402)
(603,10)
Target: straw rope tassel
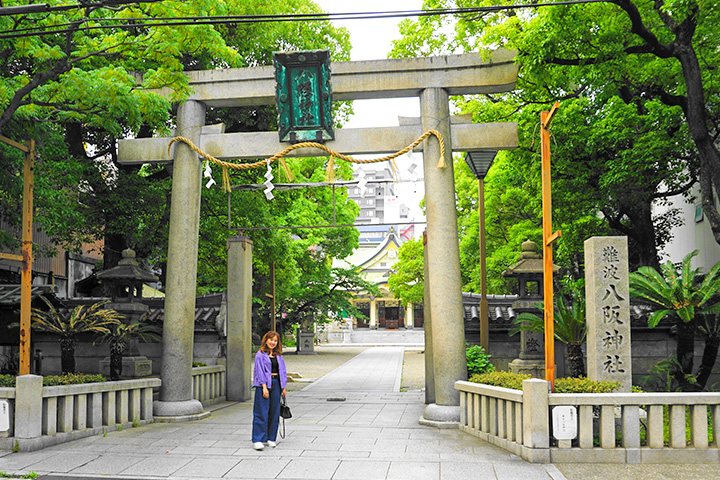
(286,169)
(330,170)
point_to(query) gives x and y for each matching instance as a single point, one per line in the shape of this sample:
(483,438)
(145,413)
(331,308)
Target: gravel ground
(330,357)
(413,375)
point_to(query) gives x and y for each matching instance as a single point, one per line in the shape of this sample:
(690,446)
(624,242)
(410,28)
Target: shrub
(199,364)
(478,361)
(72,379)
(562,385)
(7,380)
(501,379)
(584,385)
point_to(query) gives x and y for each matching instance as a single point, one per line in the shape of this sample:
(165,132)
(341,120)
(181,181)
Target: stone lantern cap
(127,269)
(530,262)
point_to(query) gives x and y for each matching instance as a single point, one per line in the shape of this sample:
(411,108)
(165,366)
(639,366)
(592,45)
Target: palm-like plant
(570,326)
(82,319)
(118,338)
(685,296)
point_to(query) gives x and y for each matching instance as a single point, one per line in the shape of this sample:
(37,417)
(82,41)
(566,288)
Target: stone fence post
(536,421)
(28,406)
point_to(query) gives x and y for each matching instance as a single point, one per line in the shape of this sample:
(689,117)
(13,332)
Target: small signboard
(564,420)
(4,416)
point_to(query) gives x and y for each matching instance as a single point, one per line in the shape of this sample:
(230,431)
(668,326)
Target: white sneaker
(271,444)
(258,446)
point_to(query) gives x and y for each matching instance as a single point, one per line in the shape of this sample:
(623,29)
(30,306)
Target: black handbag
(284,409)
(284,413)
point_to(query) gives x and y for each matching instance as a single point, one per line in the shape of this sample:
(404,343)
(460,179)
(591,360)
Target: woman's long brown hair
(266,337)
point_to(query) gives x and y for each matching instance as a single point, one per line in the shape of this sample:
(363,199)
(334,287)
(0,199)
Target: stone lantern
(125,283)
(529,272)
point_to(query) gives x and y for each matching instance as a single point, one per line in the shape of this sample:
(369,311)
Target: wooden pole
(272,311)
(548,239)
(26,274)
(26,256)
(484,321)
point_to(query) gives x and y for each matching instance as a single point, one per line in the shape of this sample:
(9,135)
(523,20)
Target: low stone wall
(208,384)
(612,427)
(45,416)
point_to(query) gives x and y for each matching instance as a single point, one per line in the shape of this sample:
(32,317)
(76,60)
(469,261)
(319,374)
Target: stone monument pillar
(239,319)
(443,262)
(180,291)
(607,296)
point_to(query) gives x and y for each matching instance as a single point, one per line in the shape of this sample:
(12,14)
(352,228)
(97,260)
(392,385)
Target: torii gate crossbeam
(432,79)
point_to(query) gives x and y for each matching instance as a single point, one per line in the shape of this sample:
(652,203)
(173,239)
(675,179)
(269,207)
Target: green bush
(562,385)
(478,361)
(199,364)
(501,379)
(584,385)
(72,379)
(53,380)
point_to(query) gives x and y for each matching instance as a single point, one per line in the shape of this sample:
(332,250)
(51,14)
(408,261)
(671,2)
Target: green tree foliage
(82,319)
(638,112)
(76,93)
(691,301)
(407,278)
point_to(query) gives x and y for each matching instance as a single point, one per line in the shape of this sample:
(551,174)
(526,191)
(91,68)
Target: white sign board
(564,420)
(4,416)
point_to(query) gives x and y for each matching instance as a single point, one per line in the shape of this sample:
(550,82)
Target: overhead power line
(145,22)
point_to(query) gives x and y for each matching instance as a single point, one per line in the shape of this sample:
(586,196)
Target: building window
(698,213)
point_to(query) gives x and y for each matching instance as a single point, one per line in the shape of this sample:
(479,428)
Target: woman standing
(269,380)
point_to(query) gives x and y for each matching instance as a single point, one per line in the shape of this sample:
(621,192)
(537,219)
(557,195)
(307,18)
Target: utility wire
(240,19)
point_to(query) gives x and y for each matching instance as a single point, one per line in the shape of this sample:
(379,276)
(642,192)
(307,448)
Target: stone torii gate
(432,79)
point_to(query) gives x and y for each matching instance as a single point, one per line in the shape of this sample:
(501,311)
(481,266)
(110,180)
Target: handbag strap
(282,432)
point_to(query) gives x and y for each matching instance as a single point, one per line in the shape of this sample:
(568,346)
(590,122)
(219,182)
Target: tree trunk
(708,360)
(576,362)
(67,355)
(116,358)
(685,349)
(685,352)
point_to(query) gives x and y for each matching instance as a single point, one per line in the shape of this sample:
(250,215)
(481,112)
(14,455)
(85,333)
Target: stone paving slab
(374,434)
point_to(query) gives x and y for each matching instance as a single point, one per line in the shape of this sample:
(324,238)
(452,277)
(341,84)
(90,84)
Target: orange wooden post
(26,274)
(26,257)
(548,239)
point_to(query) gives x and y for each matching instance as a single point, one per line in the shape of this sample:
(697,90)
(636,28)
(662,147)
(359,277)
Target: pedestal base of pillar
(534,368)
(132,367)
(182,411)
(441,416)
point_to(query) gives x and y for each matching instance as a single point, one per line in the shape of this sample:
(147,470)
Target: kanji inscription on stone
(608,310)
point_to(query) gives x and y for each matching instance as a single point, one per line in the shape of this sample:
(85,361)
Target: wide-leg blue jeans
(266,413)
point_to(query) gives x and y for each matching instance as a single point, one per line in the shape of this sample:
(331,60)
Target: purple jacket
(262,372)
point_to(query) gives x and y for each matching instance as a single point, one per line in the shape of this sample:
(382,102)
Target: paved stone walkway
(353,423)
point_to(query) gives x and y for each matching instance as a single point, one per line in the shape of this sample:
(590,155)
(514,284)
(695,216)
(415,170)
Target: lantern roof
(127,269)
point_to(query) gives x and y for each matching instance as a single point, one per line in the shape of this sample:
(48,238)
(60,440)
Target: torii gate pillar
(443,265)
(179,323)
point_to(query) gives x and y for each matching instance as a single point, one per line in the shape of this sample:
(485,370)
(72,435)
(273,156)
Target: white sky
(372,40)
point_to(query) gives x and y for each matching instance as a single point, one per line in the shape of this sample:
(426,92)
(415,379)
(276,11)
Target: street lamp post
(479,163)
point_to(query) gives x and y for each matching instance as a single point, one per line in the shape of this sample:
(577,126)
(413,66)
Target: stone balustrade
(43,416)
(208,384)
(611,427)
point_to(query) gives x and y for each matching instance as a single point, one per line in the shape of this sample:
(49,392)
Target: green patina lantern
(303,94)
